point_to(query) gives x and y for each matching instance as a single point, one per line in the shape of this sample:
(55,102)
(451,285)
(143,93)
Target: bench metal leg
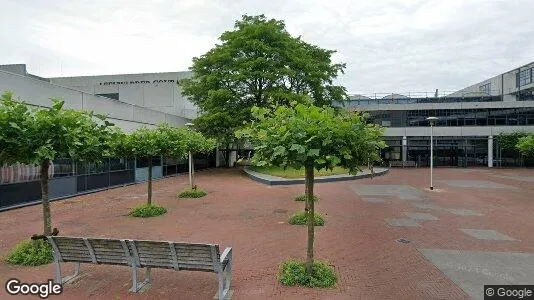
(67,279)
(137,286)
(225,278)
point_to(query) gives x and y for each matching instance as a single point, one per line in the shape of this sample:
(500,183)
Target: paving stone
(485,184)
(485,234)
(463,212)
(402,222)
(471,270)
(404,192)
(519,178)
(373,200)
(423,205)
(421,216)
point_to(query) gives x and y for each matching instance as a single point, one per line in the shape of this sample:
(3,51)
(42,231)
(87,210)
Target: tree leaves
(165,140)
(525,145)
(258,64)
(32,136)
(312,136)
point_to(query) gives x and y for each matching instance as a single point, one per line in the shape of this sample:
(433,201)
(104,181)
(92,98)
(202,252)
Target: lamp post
(431,120)
(191,165)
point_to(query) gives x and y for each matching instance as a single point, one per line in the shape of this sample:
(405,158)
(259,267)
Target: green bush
(303,198)
(293,272)
(31,253)
(147,211)
(192,193)
(301,218)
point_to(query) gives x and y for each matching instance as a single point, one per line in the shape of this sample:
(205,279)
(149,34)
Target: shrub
(147,211)
(31,253)
(192,193)
(303,198)
(293,272)
(301,218)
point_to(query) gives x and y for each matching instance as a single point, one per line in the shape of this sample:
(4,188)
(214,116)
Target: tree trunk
(47,219)
(150,181)
(192,171)
(310,210)
(228,155)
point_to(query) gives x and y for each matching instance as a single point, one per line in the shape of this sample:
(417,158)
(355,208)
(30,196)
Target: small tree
(145,142)
(310,137)
(525,145)
(38,136)
(178,142)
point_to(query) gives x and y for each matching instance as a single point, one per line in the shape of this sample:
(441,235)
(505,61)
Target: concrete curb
(275,180)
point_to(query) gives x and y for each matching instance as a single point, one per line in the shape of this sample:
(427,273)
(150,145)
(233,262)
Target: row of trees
(37,136)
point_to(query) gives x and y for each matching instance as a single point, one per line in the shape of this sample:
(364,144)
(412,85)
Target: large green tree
(258,63)
(38,136)
(525,145)
(312,138)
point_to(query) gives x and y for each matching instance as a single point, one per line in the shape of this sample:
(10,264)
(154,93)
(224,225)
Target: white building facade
(130,101)
(469,121)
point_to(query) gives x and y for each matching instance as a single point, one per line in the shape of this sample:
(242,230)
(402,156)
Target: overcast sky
(388,45)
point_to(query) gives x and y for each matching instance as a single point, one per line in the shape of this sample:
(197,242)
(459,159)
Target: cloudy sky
(388,45)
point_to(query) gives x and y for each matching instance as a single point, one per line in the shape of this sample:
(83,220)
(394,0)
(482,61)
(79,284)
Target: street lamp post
(191,164)
(432,120)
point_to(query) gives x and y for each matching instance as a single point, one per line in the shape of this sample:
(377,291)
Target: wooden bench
(400,163)
(143,254)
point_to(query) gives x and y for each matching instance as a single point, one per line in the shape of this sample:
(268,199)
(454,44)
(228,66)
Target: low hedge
(147,211)
(293,272)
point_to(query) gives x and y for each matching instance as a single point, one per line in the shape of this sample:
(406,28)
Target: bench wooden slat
(180,258)
(180,253)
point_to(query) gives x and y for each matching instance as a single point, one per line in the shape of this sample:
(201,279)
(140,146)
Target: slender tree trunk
(150,181)
(306,208)
(47,219)
(228,155)
(192,171)
(310,209)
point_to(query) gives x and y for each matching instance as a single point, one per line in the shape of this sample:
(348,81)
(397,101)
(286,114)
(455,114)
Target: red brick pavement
(250,217)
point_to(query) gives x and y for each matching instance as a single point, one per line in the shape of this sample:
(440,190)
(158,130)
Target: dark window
(525,77)
(111,96)
(486,88)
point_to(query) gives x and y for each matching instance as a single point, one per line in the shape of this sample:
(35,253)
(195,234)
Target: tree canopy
(37,136)
(525,145)
(508,141)
(312,138)
(164,140)
(258,63)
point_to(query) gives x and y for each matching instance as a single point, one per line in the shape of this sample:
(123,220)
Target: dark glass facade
(19,184)
(452,152)
(455,117)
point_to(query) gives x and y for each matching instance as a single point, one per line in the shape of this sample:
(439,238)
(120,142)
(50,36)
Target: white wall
(127,116)
(145,90)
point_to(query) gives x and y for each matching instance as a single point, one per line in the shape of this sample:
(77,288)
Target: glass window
(486,88)
(525,77)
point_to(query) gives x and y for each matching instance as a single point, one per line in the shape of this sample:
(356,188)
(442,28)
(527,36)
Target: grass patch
(192,193)
(31,253)
(147,211)
(293,272)
(303,198)
(301,218)
(297,173)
